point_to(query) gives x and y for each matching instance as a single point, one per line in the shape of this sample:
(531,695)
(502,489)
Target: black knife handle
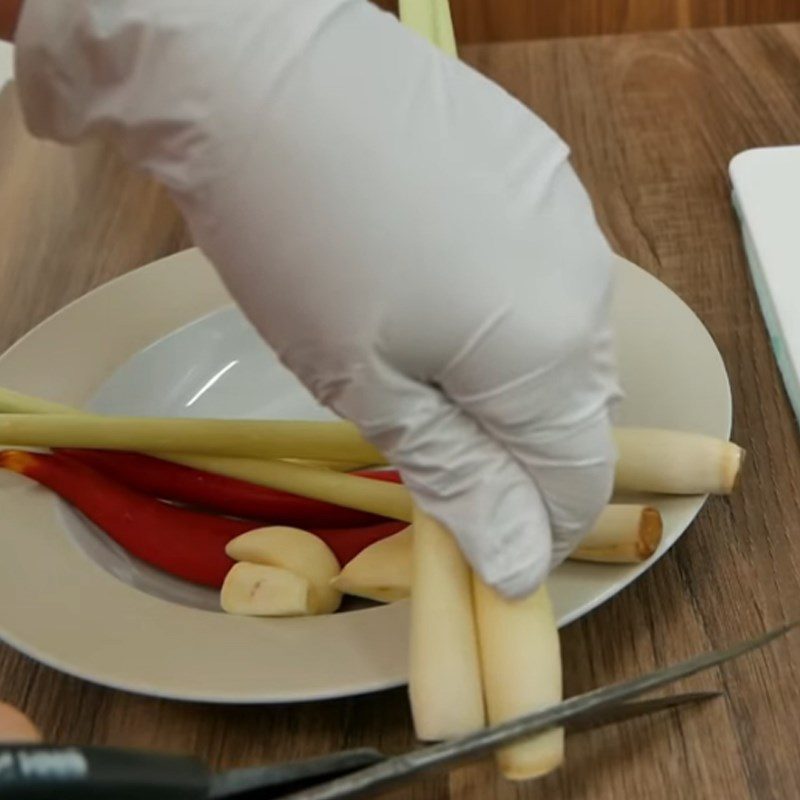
(42,772)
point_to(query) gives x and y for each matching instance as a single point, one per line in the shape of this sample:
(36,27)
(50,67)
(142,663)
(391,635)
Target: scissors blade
(638,708)
(275,781)
(405,768)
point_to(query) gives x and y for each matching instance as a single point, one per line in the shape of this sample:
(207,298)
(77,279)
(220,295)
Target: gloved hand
(410,239)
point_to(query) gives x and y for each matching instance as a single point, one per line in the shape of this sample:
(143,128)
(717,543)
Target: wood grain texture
(69,219)
(652,120)
(513,20)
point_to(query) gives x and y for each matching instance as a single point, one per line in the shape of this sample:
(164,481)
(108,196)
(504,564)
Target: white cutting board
(766,195)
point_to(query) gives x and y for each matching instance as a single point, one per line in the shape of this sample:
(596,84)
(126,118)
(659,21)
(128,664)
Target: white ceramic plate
(165,340)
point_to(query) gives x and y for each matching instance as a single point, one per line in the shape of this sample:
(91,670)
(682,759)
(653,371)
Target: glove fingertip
(522,582)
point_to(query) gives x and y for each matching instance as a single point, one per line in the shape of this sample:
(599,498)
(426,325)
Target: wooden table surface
(653,121)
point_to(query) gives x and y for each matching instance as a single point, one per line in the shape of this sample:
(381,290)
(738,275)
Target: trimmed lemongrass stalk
(521,667)
(674,462)
(622,534)
(444,675)
(274,439)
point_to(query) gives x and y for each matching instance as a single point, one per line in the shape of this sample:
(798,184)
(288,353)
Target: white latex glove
(408,238)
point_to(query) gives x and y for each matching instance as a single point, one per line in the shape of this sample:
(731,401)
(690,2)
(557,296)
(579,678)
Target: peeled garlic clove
(380,572)
(295,550)
(263,591)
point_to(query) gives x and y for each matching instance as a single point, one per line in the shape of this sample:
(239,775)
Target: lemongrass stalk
(432,19)
(674,462)
(336,466)
(352,491)
(12,402)
(240,438)
(521,668)
(622,534)
(444,675)
(650,459)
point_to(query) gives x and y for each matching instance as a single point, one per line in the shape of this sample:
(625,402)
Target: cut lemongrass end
(623,534)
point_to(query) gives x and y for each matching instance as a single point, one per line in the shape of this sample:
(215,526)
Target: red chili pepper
(187,544)
(389,475)
(218,493)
